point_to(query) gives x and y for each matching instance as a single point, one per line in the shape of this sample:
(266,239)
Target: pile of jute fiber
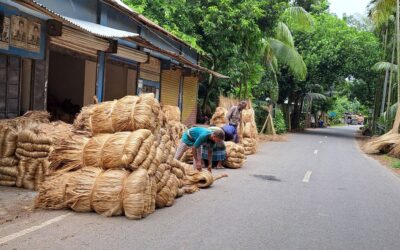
(34,145)
(219,117)
(235,157)
(126,114)
(130,170)
(26,142)
(173,123)
(248,131)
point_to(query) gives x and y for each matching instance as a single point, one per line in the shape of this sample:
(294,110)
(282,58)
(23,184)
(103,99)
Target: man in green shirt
(196,137)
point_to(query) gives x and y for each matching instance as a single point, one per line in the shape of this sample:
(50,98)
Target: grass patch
(393,162)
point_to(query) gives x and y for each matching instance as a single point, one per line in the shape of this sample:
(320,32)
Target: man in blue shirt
(196,137)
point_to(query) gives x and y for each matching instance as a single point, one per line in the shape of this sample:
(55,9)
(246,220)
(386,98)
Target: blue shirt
(198,136)
(229,131)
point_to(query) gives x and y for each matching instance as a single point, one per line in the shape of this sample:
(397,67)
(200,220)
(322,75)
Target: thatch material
(120,150)
(235,156)
(219,117)
(126,114)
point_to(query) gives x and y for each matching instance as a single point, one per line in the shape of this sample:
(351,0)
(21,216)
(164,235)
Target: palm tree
(381,11)
(280,49)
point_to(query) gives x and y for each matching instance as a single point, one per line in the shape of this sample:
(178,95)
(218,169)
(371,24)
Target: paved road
(316,191)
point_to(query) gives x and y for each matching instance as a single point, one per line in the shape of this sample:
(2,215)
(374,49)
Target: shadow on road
(266,177)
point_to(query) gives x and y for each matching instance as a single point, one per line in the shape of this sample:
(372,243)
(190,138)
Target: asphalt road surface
(315,191)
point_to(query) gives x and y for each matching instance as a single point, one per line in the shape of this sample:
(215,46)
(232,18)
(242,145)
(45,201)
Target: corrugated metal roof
(93,28)
(99,30)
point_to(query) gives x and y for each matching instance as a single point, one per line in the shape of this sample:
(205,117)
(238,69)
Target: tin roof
(93,28)
(99,30)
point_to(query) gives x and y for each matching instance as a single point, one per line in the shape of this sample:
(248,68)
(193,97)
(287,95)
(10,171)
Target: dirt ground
(15,203)
(383,159)
(273,138)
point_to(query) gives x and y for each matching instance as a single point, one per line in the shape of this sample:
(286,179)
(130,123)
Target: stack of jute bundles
(173,122)
(126,167)
(235,157)
(13,148)
(248,131)
(34,145)
(8,161)
(219,117)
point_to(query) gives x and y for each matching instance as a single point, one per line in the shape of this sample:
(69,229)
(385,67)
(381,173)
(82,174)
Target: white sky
(348,6)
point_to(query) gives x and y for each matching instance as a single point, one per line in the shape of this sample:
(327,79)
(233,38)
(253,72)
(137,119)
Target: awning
(144,43)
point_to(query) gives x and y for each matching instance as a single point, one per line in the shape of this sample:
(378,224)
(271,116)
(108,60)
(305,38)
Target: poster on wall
(5,35)
(34,36)
(19,28)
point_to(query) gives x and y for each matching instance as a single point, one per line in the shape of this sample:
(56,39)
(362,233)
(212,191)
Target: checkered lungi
(218,153)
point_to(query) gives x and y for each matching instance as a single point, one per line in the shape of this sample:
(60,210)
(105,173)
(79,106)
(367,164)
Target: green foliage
(342,104)
(333,52)
(279,122)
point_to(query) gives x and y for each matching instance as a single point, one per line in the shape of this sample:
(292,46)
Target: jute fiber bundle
(187,157)
(248,131)
(8,171)
(31,173)
(382,144)
(219,117)
(176,130)
(172,113)
(120,150)
(8,140)
(111,192)
(235,156)
(30,117)
(129,113)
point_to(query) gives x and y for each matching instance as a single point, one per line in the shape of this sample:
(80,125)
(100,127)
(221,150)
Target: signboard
(34,36)
(5,35)
(19,32)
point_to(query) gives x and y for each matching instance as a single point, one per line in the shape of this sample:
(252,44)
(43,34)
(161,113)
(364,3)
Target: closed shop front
(170,80)
(189,105)
(120,80)
(150,77)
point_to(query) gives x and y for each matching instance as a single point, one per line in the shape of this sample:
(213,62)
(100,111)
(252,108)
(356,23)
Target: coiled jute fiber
(126,114)
(235,155)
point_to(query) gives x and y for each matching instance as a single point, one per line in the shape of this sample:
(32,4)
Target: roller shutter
(170,80)
(189,106)
(151,70)
(80,41)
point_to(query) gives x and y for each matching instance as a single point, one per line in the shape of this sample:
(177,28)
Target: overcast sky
(348,6)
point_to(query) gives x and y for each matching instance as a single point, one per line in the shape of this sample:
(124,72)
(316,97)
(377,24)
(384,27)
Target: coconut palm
(280,49)
(381,10)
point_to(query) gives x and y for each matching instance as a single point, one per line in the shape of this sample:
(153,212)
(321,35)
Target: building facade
(56,55)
